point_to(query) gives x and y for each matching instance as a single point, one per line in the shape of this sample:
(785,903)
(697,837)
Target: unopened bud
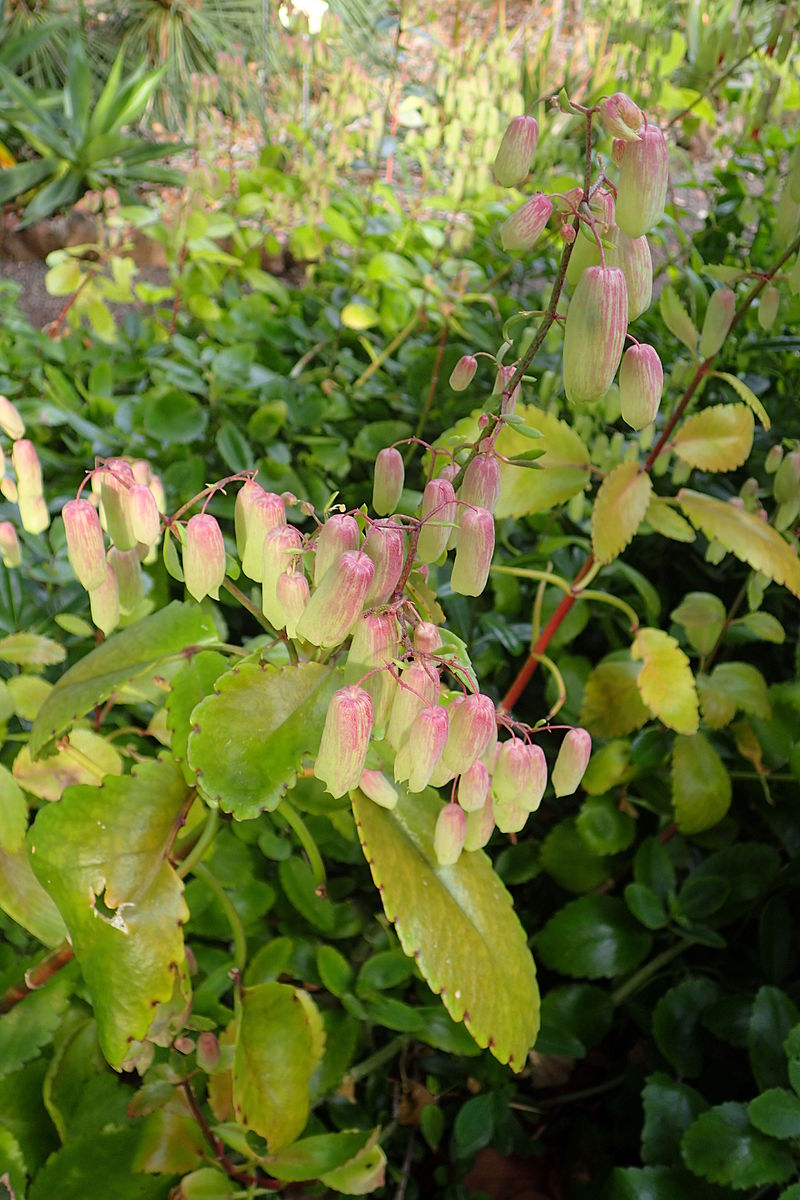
(292,594)
(85,545)
(472,725)
(144,517)
(125,565)
(427,638)
(387,487)
(142,471)
(345,740)
(33,512)
(27,468)
(512,770)
(278,555)
(522,230)
(338,601)
(517,149)
(375,644)
(9,545)
(479,825)
(509,815)
(104,603)
(438,512)
(572,761)
(567,232)
(621,117)
(208,1053)
(377,788)
(203,557)
(473,787)
(636,263)
(448,834)
(787,216)
(157,488)
(338,534)
(8,489)
(641,383)
(418,687)
(786,485)
(594,336)
(463,372)
(420,752)
(717,322)
(642,186)
(10,420)
(116,479)
(586,253)
(773,459)
(481,483)
(256,513)
(473,552)
(385,545)
(501,385)
(768,306)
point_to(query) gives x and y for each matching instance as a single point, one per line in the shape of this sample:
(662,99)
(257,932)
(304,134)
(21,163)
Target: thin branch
(37,977)
(218,1149)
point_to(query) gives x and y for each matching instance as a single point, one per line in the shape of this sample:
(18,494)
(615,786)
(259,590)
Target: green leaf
(174,417)
(792,1048)
(128,655)
(360,1177)
(386,969)
(703,617)
(207,1184)
(676,318)
(80,1093)
(456,921)
(277,1051)
(701,787)
(662,518)
(189,687)
(23,1114)
(669,1109)
(31,1024)
(665,682)
(102,856)
(302,891)
(12,1164)
(314,1156)
(334,970)
(653,867)
(718,709)
(581,1011)
(89,1165)
(744,686)
(267,718)
(654,1183)
(570,860)
(745,535)
(358,315)
(619,509)
(594,936)
(762,626)
(771,1022)
(604,827)
(776,1112)
(746,394)
(612,705)
(646,906)
(565,465)
(677,1023)
(723,1147)
(29,649)
(719,438)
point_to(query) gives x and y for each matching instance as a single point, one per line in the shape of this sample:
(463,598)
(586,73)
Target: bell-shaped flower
(126,567)
(86,549)
(473,787)
(473,552)
(636,263)
(418,686)
(463,372)
(641,384)
(9,545)
(572,761)
(375,644)
(481,483)
(719,315)
(479,825)
(116,480)
(437,514)
(385,545)
(279,551)
(203,557)
(420,752)
(522,230)
(448,834)
(255,514)
(642,185)
(345,740)
(11,422)
(427,638)
(143,510)
(594,334)
(517,149)
(292,594)
(104,603)
(338,601)
(472,724)
(621,117)
(387,487)
(338,535)
(377,788)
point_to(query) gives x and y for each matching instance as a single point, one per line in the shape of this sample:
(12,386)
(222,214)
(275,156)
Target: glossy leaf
(670,1108)
(663,518)
(90,1165)
(745,687)
(30,649)
(619,509)
(314,1156)
(776,1112)
(612,704)
(748,395)
(563,468)
(665,682)
(723,1147)
(457,921)
(745,535)
(677,1023)
(772,1018)
(31,1024)
(594,936)
(719,438)
(701,787)
(266,718)
(193,684)
(703,616)
(676,318)
(102,855)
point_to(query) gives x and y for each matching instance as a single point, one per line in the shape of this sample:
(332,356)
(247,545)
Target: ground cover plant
(217,797)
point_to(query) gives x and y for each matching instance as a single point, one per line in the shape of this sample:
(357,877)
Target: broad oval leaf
(719,438)
(676,318)
(745,686)
(747,536)
(619,509)
(666,682)
(457,921)
(662,518)
(723,1147)
(248,739)
(101,853)
(314,1156)
(701,787)
(123,657)
(612,705)
(702,615)
(30,649)
(595,937)
(563,467)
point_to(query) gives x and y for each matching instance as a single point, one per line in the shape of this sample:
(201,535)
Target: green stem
(207,835)
(384,1055)
(234,920)
(301,831)
(645,973)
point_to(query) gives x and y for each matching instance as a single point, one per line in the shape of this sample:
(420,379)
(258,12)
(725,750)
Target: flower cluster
(24,488)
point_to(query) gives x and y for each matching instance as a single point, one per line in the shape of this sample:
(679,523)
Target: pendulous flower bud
(786,485)
(345,740)
(522,230)
(33,512)
(621,117)
(116,480)
(418,687)
(338,534)
(472,725)
(481,483)
(512,770)
(145,521)
(10,420)
(636,263)
(641,383)
(85,544)
(278,555)
(572,761)
(717,321)
(9,545)
(594,336)
(420,752)
(337,603)
(479,825)
(125,565)
(515,156)
(642,186)
(427,638)
(509,815)
(385,545)
(377,788)
(768,306)
(375,644)
(387,487)
(449,834)
(255,514)
(292,594)
(27,467)
(104,603)
(473,787)
(438,512)
(773,459)
(473,552)
(203,557)
(463,372)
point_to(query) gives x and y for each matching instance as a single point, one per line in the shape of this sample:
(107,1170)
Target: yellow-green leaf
(31,649)
(562,472)
(746,394)
(745,686)
(359,316)
(701,787)
(702,615)
(676,318)
(612,705)
(21,894)
(666,682)
(747,536)
(719,438)
(619,509)
(663,519)
(717,708)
